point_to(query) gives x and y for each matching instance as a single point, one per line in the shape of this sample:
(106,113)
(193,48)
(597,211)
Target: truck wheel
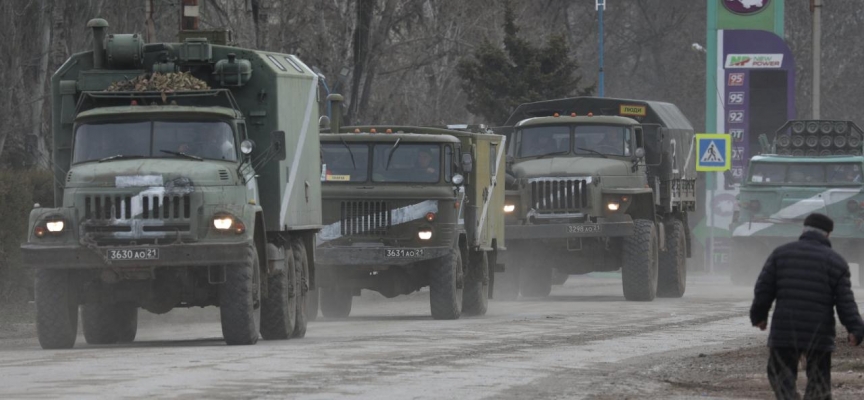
(301,271)
(538,283)
(639,269)
(672,278)
(445,291)
(237,300)
(559,277)
(56,310)
(312,305)
(475,295)
(335,302)
(506,286)
(109,323)
(279,307)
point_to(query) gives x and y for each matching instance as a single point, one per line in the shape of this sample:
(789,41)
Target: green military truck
(598,184)
(408,207)
(164,200)
(812,166)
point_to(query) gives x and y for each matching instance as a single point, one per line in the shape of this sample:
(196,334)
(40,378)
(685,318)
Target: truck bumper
(373,256)
(185,255)
(564,231)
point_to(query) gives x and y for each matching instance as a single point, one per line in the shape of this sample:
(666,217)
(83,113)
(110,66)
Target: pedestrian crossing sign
(714,152)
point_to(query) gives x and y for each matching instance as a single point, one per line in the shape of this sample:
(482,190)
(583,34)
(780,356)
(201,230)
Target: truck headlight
(55,226)
(613,206)
(424,234)
(509,208)
(223,222)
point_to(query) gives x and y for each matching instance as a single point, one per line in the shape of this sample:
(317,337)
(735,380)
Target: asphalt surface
(584,341)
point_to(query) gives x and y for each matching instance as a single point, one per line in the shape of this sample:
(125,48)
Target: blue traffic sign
(714,152)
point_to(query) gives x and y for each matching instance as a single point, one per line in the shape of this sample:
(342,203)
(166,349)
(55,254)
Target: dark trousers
(783,373)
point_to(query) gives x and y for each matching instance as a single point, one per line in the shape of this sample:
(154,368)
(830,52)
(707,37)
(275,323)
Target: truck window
(543,140)
(844,173)
(767,172)
(605,139)
(406,162)
(154,139)
(345,162)
(805,173)
(493,156)
(448,162)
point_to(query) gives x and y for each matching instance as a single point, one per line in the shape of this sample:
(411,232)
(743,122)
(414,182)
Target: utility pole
(816,9)
(151,26)
(600,6)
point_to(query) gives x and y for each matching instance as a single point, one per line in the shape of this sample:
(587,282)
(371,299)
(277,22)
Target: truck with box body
(162,198)
(408,207)
(598,184)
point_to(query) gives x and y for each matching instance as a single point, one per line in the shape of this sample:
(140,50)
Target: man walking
(808,279)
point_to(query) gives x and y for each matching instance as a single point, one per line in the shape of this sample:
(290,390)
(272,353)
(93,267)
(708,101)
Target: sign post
(713,154)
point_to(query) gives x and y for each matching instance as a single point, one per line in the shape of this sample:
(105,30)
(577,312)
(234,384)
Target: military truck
(811,166)
(598,184)
(163,198)
(408,207)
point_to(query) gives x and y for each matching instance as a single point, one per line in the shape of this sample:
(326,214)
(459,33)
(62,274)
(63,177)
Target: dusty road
(583,342)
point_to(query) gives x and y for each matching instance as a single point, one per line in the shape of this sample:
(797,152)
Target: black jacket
(808,279)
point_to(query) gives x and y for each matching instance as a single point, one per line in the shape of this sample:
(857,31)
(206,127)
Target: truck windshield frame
(805,174)
(574,139)
(154,138)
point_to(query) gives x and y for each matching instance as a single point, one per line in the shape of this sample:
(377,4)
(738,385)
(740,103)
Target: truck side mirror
(277,145)
(467,162)
(639,153)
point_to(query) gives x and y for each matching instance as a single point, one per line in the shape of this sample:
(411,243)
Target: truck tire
(639,266)
(109,323)
(672,274)
(475,295)
(559,277)
(279,307)
(56,309)
(237,301)
(506,287)
(335,302)
(301,271)
(445,281)
(312,304)
(536,284)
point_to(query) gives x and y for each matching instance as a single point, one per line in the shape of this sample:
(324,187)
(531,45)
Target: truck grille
(152,207)
(559,195)
(365,217)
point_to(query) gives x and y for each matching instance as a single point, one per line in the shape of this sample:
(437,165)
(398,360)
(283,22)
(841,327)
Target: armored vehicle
(812,166)
(163,199)
(408,207)
(598,184)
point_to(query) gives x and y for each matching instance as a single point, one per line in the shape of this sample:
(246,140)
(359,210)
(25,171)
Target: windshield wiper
(350,153)
(553,154)
(177,153)
(392,151)
(593,151)
(118,156)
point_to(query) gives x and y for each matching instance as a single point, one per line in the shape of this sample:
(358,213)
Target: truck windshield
(586,139)
(344,162)
(805,173)
(406,162)
(212,140)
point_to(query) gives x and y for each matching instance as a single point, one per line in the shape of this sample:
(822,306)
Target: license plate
(133,254)
(403,253)
(584,228)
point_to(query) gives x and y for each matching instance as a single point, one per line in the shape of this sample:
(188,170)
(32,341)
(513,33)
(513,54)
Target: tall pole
(816,9)
(600,6)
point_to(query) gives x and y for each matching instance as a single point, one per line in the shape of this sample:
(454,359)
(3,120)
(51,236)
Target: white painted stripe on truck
(491,189)
(304,130)
(397,216)
(798,209)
